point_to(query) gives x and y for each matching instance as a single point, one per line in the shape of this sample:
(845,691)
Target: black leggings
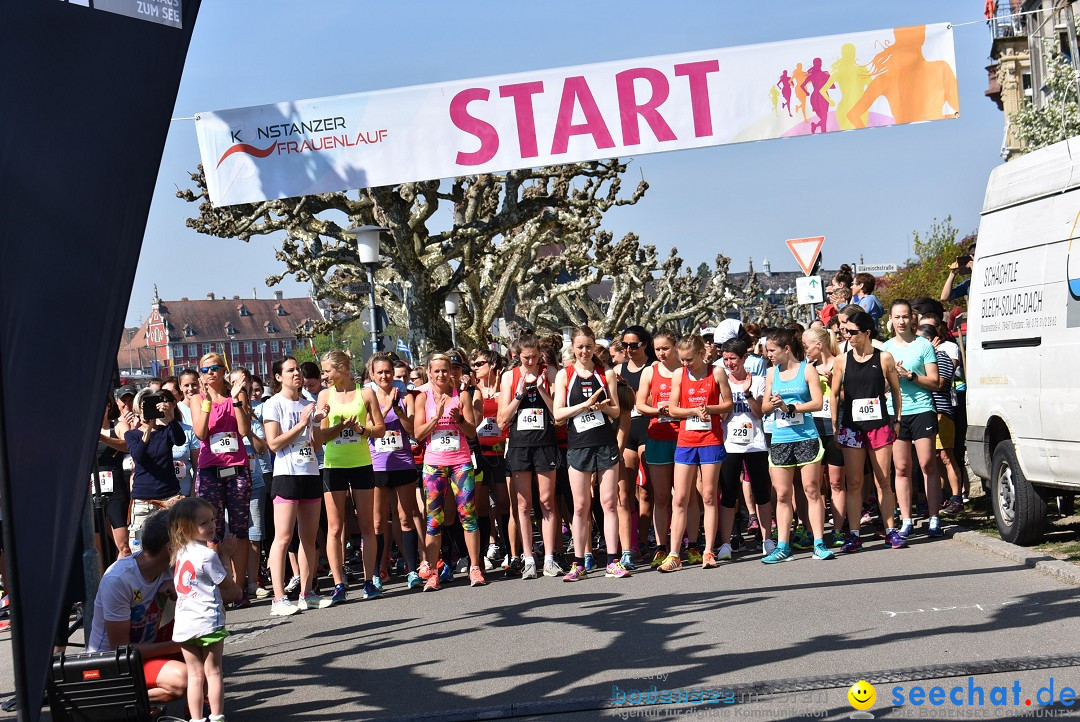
(757,468)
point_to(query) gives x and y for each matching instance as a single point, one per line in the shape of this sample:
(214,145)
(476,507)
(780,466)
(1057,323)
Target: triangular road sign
(806,251)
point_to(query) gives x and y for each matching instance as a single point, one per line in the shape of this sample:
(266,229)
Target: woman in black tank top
(637,343)
(860,379)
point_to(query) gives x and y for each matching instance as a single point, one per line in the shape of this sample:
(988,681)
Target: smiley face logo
(862,695)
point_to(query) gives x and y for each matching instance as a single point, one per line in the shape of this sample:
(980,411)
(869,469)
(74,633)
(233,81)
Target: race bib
(347,436)
(530,420)
(303,451)
(588,420)
(488,429)
(180,469)
(446,440)
(696,423)
(390,441)
(105,482)
(741,433)
(225,442)
(666,420)
(866,410)
(826,409)
(128,463)
(634,413)
(784,419)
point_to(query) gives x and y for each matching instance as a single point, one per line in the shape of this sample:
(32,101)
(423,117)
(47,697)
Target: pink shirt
(447,445)
(224,447)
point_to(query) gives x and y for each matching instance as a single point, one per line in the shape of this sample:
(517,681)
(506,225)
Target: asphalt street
(783,641)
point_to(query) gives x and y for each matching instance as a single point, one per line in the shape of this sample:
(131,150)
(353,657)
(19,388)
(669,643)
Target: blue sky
(740,200)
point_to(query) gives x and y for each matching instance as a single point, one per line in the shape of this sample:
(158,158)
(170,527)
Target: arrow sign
(806,251)
(808,290)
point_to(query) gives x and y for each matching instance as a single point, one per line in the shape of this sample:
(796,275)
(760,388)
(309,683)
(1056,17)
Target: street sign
(808,290)
(806,251)
(362,288)
(876,269)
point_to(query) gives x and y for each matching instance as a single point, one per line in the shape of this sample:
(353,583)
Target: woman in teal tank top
(351,416)
(793,391)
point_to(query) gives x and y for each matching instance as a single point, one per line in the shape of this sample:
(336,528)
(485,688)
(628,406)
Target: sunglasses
(479,363)
(632,345)
(845,331)
(210,369)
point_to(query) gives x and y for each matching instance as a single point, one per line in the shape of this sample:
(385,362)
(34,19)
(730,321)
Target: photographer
(154,484)
(961,266)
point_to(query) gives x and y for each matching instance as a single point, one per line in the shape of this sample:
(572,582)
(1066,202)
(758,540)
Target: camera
(150,403)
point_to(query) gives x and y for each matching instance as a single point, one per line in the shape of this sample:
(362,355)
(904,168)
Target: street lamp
(450,305)
(367,248)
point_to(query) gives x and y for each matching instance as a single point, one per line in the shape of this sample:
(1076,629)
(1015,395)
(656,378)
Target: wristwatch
(519,396)
(237,404)
(790,408)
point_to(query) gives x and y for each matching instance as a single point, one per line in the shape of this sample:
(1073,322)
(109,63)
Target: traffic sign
(808,290)
(806,251)
(876,269)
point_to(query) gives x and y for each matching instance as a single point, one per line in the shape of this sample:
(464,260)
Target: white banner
(589,112)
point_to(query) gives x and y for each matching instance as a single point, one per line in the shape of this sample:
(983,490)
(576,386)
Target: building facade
(249,332)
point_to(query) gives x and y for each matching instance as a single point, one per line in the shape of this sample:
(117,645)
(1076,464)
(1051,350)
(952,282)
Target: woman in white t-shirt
(747,451)
(291,424)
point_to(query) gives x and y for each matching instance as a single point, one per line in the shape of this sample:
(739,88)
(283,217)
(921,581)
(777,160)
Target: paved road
(553,648)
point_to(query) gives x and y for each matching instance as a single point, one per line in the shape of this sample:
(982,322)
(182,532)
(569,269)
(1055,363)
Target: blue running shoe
(781,553)
(934,531)
(377,581)
(822,552)
(371,591)
(894,540)
(339,594)
(413,581)
(852,544)
(447,574)
(590,562)
(627,561)
(906,530)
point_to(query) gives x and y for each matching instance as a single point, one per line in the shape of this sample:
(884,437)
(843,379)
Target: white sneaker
(552,569)
(724,555)
(488,566)
(261,593)
(768,547)
(283,608)
(529,572)
(312,600)
(293,585)
(492,552)
(506,562)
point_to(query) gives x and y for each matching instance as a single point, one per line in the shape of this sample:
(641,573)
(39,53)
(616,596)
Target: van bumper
(977,453)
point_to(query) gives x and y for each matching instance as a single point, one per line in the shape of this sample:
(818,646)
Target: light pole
(367,247)
(450,305)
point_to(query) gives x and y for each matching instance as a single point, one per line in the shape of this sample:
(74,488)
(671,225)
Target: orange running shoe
(476,577)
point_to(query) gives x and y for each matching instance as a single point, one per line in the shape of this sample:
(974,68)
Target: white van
(1023,344)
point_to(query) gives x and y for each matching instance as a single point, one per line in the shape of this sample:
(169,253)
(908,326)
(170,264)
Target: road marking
(980,607)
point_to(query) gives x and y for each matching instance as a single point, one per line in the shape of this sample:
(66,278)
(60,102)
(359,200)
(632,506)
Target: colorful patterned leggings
(462,483)
(232,494)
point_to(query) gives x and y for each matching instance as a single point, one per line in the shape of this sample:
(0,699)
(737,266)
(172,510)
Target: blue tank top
(789,428)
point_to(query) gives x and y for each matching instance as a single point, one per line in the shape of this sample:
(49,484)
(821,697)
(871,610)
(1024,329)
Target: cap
(457,359)
(727,330)
(125,390)
(603,343)
(708,331)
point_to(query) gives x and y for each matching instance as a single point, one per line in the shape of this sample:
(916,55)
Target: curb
(1062,571)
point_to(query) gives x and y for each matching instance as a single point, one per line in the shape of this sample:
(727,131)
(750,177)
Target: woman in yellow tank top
(351,416)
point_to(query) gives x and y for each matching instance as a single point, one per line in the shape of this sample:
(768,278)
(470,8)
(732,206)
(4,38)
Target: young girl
(204,583)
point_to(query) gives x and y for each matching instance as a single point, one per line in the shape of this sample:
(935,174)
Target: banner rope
(996,17)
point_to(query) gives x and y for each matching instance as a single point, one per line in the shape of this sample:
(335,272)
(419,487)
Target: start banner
(589,112)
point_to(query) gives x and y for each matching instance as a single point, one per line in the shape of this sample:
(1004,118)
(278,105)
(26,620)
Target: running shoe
(505,562)
(693,555)
(244,603)
(801,541)
(492,552)
(424,570)
(293,585)
(952,507)
(476,577)
(283,607)
(446,574)
(590,563)
(462,566)
(413,581)
(627,562)
(708,561)
(767,547)
(261,593)
(779,554)
(754,524)
(671,564)
(552,569)
(934,531)
(822,552)
(659,557)
(432,583)
(371,591)
(906,530)
(339,594)
(5,625)
(616,570)
(313,600)
(517,566)
(529,570)
(575,574)
(737,542)
(852,544)
(894,540)
(377,581)
(725,553)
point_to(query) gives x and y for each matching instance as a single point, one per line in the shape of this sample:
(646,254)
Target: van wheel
(1019,510)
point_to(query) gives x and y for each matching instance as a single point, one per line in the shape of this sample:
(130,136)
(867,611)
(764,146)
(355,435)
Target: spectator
(862,292)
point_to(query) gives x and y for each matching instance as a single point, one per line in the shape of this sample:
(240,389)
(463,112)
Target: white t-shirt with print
(199,610)
(124,595)
(298,458)
(741,417)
